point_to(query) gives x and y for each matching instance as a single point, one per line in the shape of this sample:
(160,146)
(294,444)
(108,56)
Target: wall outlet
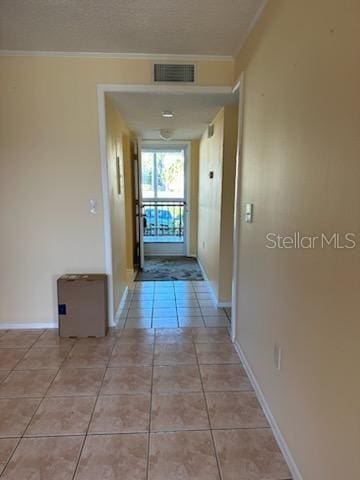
(277,356)
(203,245)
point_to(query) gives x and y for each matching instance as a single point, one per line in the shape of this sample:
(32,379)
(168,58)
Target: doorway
(194,108)
(163,186)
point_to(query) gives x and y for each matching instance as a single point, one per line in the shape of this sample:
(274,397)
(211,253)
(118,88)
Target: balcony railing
(163,222)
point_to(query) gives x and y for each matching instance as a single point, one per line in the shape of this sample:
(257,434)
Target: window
(163,192)
(163,174)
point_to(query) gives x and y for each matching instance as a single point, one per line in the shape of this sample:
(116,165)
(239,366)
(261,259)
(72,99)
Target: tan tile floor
(163,397)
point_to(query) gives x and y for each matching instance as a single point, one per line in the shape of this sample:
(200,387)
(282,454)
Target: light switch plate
(249,212)
(93,206)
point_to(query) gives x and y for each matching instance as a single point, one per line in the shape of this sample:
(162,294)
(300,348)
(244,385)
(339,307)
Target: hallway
(226,133)
(173,304)
(156,404)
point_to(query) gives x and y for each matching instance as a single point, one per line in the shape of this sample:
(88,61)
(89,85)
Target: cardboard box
(82,303)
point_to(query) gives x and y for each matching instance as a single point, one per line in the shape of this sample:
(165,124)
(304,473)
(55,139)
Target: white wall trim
(186,145)
(295,472)
(125,56)
(251,27)
(106,202)
(116,320)
(187,207)
(27,326)
(102,89)
(159,89)
(237,226)
(224,304)
(212,291)
(170,254)
(237,209)
(131,274)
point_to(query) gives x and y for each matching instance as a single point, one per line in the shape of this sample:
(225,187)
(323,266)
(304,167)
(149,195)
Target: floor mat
(169,268)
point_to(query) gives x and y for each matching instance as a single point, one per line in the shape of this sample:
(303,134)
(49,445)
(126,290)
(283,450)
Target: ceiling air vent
(166,72)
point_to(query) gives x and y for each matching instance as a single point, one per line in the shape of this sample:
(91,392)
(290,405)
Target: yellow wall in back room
(216,202)
(117,135)
(127,141)
(50,169)
(194,196)
(301,170)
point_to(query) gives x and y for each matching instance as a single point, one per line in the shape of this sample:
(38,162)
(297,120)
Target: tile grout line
(20,438)
(150,412)
(99,391)
(20,348)
(106,368)
(152,311)
(141,432)
(199,306)
(46,392)
(152,307)
(208,415)
(9,372)
(11,456)
(92,413)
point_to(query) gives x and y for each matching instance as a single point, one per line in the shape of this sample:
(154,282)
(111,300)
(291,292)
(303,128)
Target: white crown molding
(124,56)
(168,88)
(251,27)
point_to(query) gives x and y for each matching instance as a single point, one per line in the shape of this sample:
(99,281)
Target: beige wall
(227,203)
(50,168)
(301,170)
(216,199)
(194,196)
(117,136)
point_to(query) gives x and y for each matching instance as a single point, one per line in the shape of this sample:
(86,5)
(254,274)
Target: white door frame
(240,85)
(140,201)
(102,89)
(187,191)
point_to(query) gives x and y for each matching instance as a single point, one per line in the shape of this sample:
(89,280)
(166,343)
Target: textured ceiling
(199,27)
(193,112)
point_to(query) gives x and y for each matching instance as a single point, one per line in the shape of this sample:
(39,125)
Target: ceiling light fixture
(166,134)
(167,114)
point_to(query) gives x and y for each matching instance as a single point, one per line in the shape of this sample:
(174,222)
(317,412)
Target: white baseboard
(212,292)
(224,304)
(165,255)
(130,275)
(296,475)
(27,326)
(115,321)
